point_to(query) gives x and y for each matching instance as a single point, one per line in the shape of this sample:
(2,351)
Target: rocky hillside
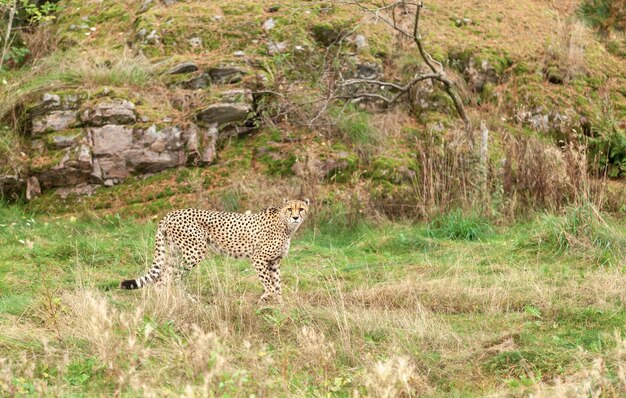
(115,92)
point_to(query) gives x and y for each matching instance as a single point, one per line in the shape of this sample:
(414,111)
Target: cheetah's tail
(154,272)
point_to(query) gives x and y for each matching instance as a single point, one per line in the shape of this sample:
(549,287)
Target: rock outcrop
(76,142)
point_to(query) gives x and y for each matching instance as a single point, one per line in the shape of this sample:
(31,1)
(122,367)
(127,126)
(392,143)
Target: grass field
(457,307)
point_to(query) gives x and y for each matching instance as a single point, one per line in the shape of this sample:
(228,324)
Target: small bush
(537,175)
(607,145)
(457,226)
(603,15)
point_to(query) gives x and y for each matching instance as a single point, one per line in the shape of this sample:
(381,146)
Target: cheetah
(262,237)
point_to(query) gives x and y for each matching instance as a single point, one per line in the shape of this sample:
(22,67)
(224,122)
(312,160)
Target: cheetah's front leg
(262,268)
(274,271)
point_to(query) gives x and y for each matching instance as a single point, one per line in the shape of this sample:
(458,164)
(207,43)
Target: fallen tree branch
(437,69)
(401,89)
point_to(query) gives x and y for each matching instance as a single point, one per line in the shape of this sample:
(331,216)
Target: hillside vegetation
(536,75)
(434,263)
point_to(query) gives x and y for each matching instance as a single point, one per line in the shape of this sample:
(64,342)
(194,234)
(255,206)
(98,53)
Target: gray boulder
(113,167)
(115,111)
(65,139)
(96,172)
(169,138)
(11,186)
(51,100)
(361,42)
(111,139)
(198,83)
(156,150)
(227,75)
(53,121)
(232,96)
(147,161)
(33,188)
(224,113)
(479,75)
(201,145)
(74,168)
(367,70)
(185,67)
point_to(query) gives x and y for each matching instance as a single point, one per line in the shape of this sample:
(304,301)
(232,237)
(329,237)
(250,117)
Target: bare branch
(368,81)
(5,47)
(365,95)
(401,89)
(438,72)
(377,11)
(418,41)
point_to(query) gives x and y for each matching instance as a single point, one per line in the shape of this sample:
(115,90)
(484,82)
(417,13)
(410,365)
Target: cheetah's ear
(285,200)
(306,201)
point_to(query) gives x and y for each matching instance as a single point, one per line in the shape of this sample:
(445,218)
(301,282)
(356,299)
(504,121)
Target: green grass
(579,231)
(356,126)
(70,70)
(458,226)
(457,312)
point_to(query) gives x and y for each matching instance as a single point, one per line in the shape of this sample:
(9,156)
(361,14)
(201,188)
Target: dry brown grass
(537,175)
(169,338)
(565,49)
(193,340)
(395,377)
(41,41)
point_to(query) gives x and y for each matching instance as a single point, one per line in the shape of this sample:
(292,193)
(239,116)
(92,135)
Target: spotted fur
(262,237)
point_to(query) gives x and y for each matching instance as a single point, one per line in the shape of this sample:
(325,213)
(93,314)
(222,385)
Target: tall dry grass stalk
(565,52)
(448,175)
(147,345)
(447,178)
(536,175)
(531,175)
(395,377)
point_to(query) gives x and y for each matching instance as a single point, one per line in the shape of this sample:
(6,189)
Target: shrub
(603,15)
(10,147)
(537,175)
(607,146)
(613,157)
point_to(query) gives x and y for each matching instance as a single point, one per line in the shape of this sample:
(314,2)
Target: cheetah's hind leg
(172,272)
(189,248)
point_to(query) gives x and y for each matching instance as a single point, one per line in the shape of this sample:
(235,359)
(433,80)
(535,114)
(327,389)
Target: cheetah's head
(293,212)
